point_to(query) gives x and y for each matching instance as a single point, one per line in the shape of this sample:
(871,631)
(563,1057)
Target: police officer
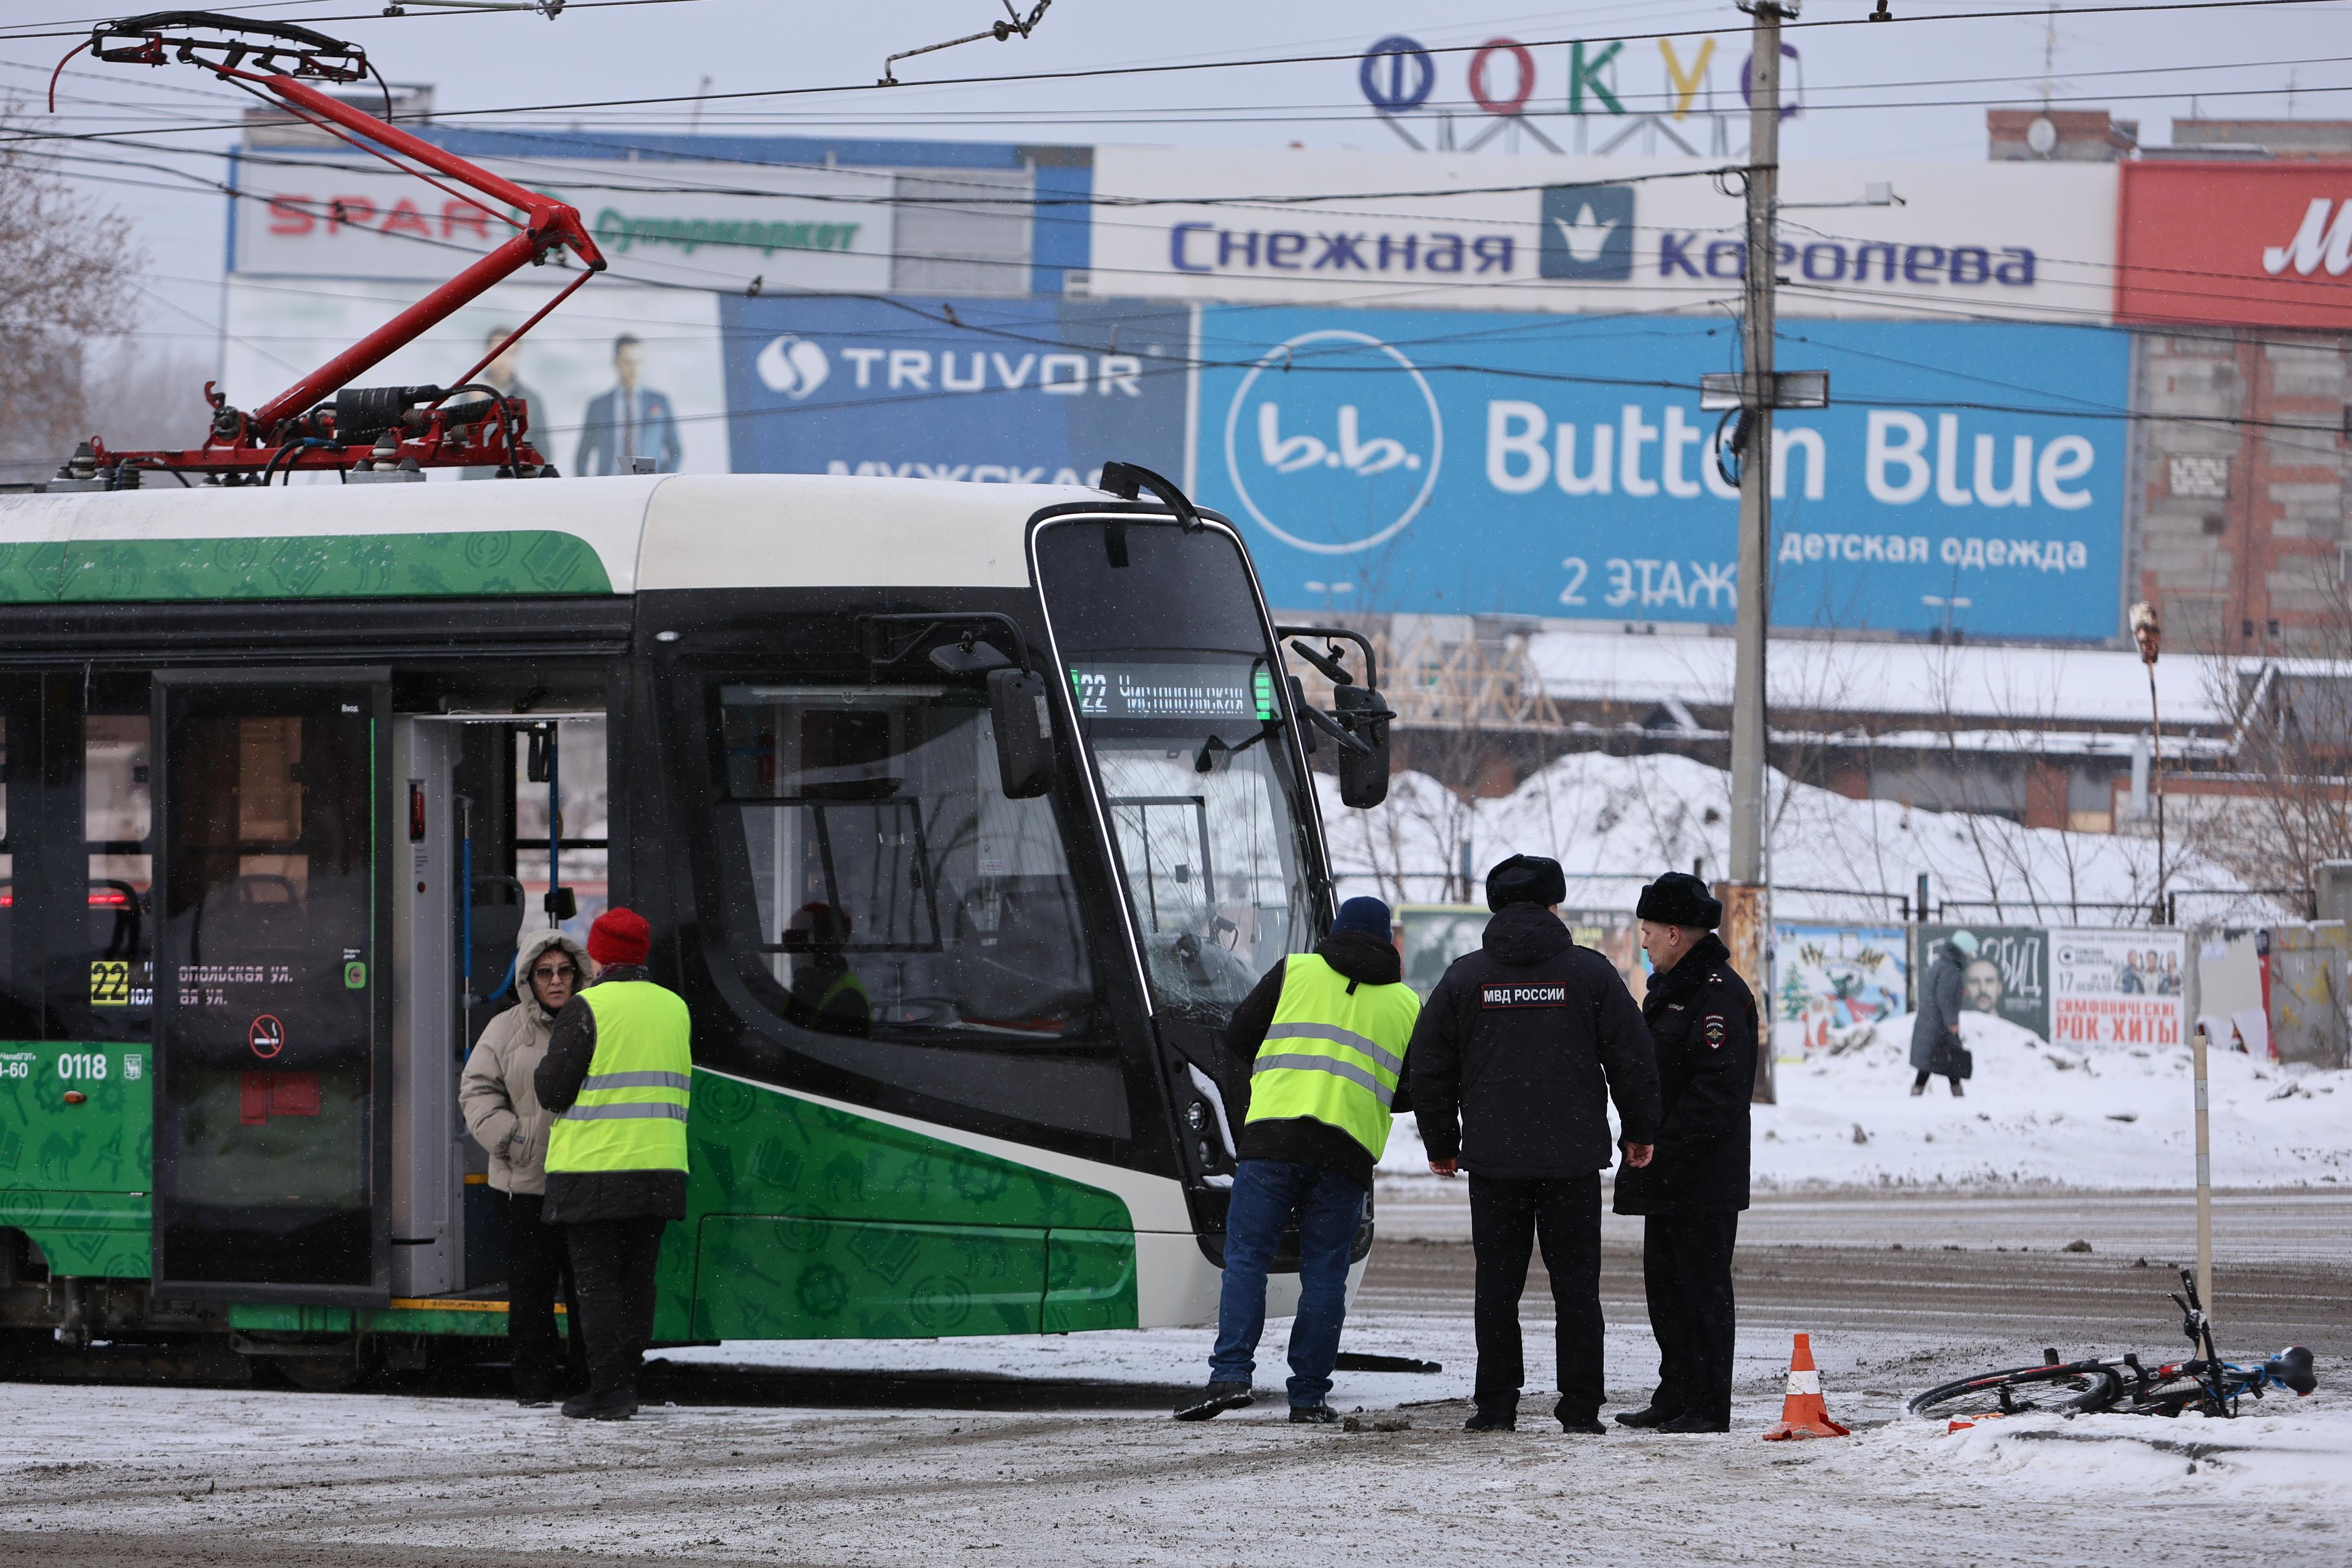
(1316,1049)
(618,1073)
(1508,1068)
(1703,1019)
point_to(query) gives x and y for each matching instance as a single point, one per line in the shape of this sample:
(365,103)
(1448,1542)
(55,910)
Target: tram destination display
(1161,690)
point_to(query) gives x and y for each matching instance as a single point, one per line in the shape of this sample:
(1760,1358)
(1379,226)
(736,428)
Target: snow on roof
(2014,687)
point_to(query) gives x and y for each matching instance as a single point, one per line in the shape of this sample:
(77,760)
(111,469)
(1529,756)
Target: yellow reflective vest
(1334,1051)
(630,1113)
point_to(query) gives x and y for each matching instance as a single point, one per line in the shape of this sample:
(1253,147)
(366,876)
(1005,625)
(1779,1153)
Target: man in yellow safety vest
(1315,1053)
(617,1074)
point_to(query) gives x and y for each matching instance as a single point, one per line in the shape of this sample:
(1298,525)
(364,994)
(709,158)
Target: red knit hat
(620,936)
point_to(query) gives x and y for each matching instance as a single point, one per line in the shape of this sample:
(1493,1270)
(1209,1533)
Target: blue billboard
(1006,391)
(1968,477)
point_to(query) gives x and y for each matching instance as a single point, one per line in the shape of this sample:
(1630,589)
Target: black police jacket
(1703,1017)
(1517,1047)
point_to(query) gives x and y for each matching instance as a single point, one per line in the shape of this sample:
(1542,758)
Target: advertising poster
(618,373)
(2118,988)
(698,224)
(2263,244)
(1601,234)
(1437,934)
(2009,977)
(1441,462)
(1831,978)
(1003,391)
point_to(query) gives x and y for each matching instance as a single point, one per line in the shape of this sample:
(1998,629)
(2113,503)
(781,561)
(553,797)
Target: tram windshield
(1174,687)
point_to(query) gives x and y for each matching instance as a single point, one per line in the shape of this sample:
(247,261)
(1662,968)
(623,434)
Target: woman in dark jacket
(1935,1032)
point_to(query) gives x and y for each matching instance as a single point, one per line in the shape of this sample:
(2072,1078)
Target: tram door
(272,1129)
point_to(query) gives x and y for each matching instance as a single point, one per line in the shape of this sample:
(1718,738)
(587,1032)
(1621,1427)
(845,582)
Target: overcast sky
(1915,89)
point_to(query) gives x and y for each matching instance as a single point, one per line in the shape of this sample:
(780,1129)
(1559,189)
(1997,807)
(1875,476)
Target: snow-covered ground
(1616,822)
(2033,1114)
(169,1476)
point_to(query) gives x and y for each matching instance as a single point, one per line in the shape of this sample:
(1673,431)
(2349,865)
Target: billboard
(1434,935)
(1968,476)
(618,373)
(2030,241)
(1830,978)
(2252,244)
(1010,391)
(2009,977)
(698,224)
(2118,988)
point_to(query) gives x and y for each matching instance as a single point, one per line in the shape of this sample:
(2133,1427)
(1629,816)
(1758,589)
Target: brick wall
(2241,530)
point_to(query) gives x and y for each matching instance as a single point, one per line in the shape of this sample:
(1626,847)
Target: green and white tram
(963,815)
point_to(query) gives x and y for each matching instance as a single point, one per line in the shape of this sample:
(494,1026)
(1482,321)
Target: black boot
(1692,1421)
(1313,1415)
(1650,1416)
(1494,1418)
(1213,1400)
(618,1405)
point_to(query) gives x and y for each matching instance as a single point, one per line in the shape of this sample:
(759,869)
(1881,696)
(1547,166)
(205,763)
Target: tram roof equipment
(371,434)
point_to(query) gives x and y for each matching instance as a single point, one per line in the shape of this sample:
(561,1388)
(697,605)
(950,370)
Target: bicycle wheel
(2071,1389)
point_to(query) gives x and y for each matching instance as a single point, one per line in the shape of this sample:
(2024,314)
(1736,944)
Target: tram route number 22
(109,983)
(1653,583)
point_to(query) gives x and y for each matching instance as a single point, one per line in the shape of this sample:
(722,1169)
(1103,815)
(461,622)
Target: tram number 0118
(82,1064)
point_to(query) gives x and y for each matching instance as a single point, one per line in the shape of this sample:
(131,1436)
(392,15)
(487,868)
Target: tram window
(107,978)
(891,889)
(581,820)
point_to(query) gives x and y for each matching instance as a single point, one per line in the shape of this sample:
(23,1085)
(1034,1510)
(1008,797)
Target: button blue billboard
(1968,477)
(1009,390)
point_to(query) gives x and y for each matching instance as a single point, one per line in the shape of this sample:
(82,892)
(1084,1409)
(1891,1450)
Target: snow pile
(2274,1449)
(1616,822)
(2034,1114)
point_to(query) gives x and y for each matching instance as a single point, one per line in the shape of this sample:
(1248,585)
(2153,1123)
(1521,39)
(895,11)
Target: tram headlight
(1196,1117)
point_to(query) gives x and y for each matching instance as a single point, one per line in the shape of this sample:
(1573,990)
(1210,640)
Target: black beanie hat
(1679,899)
(1525,879)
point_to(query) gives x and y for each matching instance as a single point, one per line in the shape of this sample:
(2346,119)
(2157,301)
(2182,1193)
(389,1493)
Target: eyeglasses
(552,972)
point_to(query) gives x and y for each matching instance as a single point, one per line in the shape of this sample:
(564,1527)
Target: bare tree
(66,276)
(2287,804)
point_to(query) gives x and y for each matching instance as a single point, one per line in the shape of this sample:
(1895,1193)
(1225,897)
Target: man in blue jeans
(1324,1036)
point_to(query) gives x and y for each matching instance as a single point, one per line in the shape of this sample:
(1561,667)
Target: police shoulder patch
(1713,1028)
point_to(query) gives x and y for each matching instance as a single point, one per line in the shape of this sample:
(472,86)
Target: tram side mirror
(1024,732)
(1363,774)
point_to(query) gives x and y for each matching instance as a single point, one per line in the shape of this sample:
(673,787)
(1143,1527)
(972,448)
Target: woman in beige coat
(503,1113)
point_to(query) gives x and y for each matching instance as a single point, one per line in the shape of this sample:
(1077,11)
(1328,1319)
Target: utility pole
(1748,901)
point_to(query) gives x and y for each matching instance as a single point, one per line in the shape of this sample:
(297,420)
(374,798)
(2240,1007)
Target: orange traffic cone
(1803,1413)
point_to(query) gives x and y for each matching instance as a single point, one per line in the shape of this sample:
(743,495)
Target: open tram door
(273,1006)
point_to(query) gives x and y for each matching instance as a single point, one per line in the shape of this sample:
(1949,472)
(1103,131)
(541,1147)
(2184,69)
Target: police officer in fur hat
(1517,1055)
(1702,1019)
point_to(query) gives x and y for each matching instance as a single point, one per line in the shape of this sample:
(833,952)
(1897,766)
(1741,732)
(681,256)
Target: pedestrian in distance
(1313,1056)
(1936,1030)
(617,1075)
(502,1112)
(1519,1048)
(1702,1017)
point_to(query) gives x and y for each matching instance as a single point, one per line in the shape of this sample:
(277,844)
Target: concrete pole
(1747,903)
(2204,1181)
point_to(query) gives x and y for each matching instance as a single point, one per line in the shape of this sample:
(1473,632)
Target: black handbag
(1951,1059)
